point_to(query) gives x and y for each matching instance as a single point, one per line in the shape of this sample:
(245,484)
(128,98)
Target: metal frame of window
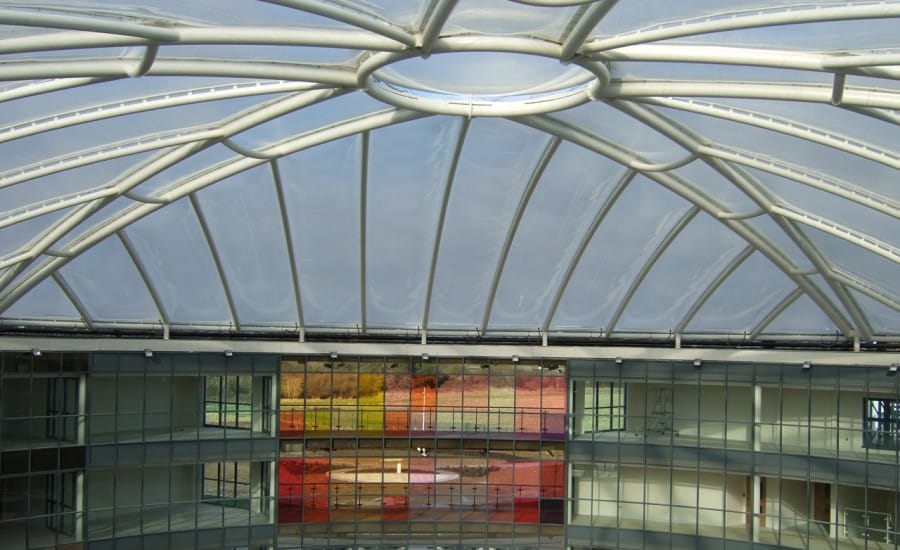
(881,417)
(227,405)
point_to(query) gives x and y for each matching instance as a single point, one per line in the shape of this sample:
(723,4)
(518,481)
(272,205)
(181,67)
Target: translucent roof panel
(687,267)
(406,179)
(565,202)
(734,307)
(641,218)
(180,265)
(496,162)
(245,227)
(717,170)
(322,197)
(109,285)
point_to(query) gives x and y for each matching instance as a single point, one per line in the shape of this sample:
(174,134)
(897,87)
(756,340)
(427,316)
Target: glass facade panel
(685,423)
(452,445)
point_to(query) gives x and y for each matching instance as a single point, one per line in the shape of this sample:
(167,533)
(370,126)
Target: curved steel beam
(212,35)
(32,211)
(363,199)
(878,294)
(688,191)
(145,277)
(87,157)
(814,93)
(119,68)
(847,62)
(232,125)
(62,227)
(179,190)
(776,311)
(711,288)
(735,20)
(435,18)
(536,173)
(37,88)
(70,294)
(784,126)
(585,241)
(46,20)
(862,240)
(583,22)
(289,243)
(648,265)
(828,184)
(479,43)
(878,114)
(220,269)
(439,230)
(351,17)
(760,195)
(142,104)
(825,267)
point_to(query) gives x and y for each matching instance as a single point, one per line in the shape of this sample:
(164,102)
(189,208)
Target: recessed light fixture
(228,353)
(807,365)
(333,355)
(698,362)
(619,361)
(893,369)
(425,357)
(148,353)
(515,358)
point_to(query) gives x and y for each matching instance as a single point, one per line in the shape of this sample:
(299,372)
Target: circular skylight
(481,83)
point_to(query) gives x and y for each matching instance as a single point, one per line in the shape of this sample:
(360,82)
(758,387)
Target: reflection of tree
(322,385)
(292,385)
(428,381)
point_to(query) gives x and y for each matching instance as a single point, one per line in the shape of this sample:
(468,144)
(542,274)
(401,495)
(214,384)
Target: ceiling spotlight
(424,357)
(515,358)
(807,365)
(698,362)
(333,355)
(36,352)
(619,361)
(228,353)
(148,353)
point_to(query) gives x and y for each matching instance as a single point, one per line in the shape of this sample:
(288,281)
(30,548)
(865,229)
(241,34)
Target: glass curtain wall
(397,449)
(787,455)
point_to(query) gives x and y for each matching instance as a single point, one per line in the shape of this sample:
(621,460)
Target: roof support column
(288,239)
(436,249)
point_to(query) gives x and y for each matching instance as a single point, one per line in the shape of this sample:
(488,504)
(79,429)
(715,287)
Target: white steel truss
(60,61)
